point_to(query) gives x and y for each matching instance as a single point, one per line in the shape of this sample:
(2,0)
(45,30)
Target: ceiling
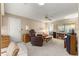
(38,12)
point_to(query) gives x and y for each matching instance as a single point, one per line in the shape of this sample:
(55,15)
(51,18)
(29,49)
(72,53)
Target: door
(15,28)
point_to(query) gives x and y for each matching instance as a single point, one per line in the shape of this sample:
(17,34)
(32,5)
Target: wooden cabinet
(5,40)
(25,38)
(73,45)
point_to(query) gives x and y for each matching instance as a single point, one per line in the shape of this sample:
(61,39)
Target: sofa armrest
(3,52)
(23,49)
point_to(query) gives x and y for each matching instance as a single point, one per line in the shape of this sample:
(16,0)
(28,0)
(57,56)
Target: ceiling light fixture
(41,3)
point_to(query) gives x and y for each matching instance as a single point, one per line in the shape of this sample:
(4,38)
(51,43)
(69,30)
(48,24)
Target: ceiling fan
(48,18)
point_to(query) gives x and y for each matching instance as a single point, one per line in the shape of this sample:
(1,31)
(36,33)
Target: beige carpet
(54,47)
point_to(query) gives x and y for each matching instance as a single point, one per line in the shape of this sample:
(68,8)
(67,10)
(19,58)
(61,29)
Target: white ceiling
(38,12)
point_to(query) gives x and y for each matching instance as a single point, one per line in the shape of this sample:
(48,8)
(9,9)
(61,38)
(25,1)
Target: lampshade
(27,27)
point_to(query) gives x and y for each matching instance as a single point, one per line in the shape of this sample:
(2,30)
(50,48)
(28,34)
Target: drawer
(5,41)
(3,45)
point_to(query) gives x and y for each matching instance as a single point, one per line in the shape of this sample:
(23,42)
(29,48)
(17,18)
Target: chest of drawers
(5,40)
(25,38)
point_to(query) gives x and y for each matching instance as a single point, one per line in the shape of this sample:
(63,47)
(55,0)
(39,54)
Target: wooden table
(47,38)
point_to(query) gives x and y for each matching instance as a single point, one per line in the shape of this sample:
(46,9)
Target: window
(61,28)
(69,27)
(66,27)
(50,27)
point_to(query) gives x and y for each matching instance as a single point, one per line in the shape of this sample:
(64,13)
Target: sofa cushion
(22,49)
(15,52)
(12,49)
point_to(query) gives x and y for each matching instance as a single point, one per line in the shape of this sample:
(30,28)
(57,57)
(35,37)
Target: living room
(51,20)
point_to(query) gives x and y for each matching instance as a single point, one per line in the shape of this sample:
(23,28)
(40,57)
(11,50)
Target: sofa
(14,49)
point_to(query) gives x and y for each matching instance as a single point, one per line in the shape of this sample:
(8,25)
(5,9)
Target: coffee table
(47,38)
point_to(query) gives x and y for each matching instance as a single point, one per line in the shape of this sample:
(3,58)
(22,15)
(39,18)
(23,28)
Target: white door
(15,28)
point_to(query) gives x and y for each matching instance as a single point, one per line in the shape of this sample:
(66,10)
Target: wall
(48,27)
(78,35)
(0,8)
(77,29)
(4,26)
(32,24)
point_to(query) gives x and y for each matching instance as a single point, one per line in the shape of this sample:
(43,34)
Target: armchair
(35,40)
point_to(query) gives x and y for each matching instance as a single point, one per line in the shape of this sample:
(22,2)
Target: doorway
(14,28)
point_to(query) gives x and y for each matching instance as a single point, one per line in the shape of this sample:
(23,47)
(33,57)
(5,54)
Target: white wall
(32,24)
(4,26)
(78,33)
(0,8)
(77,27)
(78,37)
(14,27)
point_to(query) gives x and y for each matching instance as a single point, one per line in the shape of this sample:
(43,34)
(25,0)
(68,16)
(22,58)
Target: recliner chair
(35,40)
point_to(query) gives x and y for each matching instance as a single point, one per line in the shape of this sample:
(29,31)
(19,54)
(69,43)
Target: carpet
(54,47)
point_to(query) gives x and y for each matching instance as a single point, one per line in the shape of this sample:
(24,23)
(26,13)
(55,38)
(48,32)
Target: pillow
(12,49)
(15,52)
